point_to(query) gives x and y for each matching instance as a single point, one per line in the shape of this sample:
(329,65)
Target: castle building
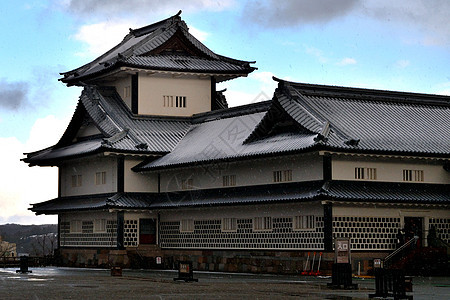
(154,163)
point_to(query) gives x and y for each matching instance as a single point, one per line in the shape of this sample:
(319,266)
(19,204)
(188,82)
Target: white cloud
(266,78)
(346,61)
(139,10)
(199,35)
(101,37)
(258,86)
(402,63)
(237,98)
(430,18)
(286,13)
(316,53)
(21,185)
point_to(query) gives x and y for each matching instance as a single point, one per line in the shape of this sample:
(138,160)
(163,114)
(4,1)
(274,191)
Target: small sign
(377,263)
(184,268)
(158,260)
(185,271)
(342,251)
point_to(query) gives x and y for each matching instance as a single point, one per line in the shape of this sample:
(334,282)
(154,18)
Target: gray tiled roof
(46,156)
(389,192)
(224,139)
(121,130)
(374,120)
(382,192)
(126,131)
(348,119)
(138,50)
(70,203)
(334,118)
(184,63)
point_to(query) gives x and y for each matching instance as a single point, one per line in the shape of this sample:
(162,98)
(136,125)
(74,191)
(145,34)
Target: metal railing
(400,249)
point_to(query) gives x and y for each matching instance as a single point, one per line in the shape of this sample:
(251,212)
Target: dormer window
(174,101)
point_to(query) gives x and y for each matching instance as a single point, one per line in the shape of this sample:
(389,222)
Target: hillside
(32,239)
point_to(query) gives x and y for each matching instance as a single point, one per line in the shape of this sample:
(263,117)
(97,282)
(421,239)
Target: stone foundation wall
(273,262)
(104,258)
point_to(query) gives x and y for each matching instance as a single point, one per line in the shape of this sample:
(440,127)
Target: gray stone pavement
(73,283)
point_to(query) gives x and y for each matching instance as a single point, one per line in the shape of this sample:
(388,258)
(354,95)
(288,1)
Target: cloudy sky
(383,44)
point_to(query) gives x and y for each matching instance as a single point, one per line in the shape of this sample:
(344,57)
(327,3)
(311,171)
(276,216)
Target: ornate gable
(177,44)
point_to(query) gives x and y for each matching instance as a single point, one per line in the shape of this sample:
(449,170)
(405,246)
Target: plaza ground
(73,283)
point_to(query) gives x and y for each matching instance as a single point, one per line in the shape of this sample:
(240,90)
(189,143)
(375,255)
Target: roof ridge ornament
(115,138)
(323,135)
(352,142)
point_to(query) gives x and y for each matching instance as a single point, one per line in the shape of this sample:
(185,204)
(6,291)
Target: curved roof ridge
(367,93)
(144,48)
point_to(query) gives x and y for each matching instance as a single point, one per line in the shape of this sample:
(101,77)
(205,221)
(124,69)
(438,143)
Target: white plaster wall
(88,216)
(120,85)
(254,172)
(89,130)
(140,215)
(244,211)
(136,182)
(87,168)
(152,88)
(389,170)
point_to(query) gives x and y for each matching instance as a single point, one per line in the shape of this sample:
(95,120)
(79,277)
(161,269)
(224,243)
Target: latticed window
(77,180)
(359,173)
(100,178)
(229,180)
(304,222)
(127,91)
(187,225)
(100,225)
(282,176)
(174,101)
(262,223)
(366,173)
(371,173)
(75,226)
(413,175)
(229,224)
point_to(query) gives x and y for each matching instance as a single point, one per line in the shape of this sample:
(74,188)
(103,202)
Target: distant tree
(44,244)
(6,249)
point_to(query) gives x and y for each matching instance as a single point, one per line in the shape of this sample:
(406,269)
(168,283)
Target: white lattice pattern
(208,235)
(130,233)
(89,238)
(442,226)
(367,233)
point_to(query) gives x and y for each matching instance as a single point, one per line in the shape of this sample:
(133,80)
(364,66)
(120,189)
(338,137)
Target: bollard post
(23,265)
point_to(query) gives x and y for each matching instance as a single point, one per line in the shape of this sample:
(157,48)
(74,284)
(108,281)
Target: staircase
(424,261)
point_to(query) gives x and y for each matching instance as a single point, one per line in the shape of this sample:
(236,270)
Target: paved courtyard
(71,283)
